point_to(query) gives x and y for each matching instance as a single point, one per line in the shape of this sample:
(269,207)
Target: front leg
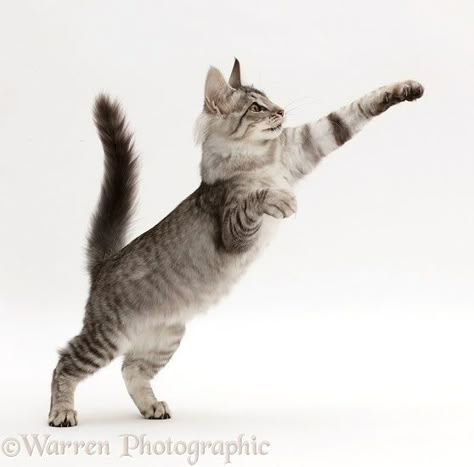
(306,145)
(242,217)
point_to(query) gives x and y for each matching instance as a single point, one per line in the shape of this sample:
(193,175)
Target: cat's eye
(256,108)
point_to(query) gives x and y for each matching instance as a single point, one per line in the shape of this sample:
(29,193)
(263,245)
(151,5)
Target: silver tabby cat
(142,294)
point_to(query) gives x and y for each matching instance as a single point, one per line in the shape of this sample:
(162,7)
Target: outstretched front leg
(306,145)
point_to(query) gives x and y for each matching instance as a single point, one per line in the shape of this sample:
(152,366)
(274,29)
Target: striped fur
(306,145)
(117,198)
(143,293)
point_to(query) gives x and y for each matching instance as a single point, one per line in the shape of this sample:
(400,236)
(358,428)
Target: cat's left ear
(234,79)
(217,91)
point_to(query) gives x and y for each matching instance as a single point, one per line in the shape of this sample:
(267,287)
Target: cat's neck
(222,159)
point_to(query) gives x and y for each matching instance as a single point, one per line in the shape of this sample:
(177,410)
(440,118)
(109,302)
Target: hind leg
(144,360)
(92,349)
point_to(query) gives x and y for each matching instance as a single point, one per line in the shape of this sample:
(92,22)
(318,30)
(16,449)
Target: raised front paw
(404,91)
(396,93)
(279,204)
(62,418)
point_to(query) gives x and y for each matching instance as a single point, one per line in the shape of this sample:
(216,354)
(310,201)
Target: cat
(143,293)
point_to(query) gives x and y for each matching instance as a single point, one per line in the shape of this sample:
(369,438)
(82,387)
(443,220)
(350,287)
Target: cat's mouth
(274,128)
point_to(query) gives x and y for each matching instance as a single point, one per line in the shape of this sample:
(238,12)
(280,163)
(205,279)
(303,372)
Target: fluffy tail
(118,194)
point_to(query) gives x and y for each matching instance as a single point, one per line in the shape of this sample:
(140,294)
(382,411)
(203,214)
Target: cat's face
(239,113)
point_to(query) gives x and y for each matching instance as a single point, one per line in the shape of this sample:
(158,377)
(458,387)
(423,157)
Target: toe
(63,418)
(158,411)
(412,90)
(418,90)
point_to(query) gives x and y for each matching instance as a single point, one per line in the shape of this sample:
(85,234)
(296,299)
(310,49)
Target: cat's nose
(280,112)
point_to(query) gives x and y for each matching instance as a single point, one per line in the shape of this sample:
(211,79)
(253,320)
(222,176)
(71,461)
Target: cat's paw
(399,92)
(62,418)
(411,90)
(279,204)
(159,410)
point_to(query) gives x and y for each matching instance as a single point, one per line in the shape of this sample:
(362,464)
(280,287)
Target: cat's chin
(273,128)
(272,133)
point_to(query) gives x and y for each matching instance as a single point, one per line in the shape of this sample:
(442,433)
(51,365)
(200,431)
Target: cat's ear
(216,91)
(234,79)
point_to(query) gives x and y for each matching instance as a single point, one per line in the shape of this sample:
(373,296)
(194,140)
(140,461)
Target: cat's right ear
(216,91)
(234,79)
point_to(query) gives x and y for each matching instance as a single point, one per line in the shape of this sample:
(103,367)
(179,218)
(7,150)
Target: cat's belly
(216,280)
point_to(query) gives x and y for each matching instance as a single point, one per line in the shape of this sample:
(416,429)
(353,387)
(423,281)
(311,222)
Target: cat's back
(191,227)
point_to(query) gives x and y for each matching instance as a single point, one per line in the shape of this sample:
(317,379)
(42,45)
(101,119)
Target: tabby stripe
(248,230)
(362,111)
(76,368)
(110,347)
(76,353)
(68,371)
(230,223)
(93,338)
(93,347)
(309,145)
(340,130)
(240,120)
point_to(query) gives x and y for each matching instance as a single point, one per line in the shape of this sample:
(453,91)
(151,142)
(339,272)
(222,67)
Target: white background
(350,341)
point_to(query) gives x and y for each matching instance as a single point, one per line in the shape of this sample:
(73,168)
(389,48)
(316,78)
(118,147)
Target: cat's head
(237,112)
(237,120)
